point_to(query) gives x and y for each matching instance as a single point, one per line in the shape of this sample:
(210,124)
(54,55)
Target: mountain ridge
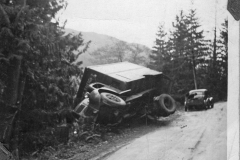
(98,41)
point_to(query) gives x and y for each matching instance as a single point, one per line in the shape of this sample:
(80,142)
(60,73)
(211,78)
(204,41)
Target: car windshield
(197,93)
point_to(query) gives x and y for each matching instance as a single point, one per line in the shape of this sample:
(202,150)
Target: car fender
(205,101)
(210,99)
(108,90)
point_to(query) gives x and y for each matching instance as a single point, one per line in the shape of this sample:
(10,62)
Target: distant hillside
(98,41)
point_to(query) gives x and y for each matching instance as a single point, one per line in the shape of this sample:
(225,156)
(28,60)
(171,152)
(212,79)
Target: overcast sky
(137,21)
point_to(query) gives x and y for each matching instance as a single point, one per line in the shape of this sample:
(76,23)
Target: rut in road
(195,135)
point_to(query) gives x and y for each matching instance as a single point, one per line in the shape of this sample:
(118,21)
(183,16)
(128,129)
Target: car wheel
(212,105)
(186,108)
(208,106)
(205,107)
(112,100)
(166,104)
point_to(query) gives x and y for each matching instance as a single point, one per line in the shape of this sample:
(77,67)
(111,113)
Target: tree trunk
(13,98)
(214,49)
(10,97)
(193,60)
(194,71)
(10,94)
(21,88)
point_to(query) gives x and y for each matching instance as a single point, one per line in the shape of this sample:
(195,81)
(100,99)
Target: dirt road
(196,135)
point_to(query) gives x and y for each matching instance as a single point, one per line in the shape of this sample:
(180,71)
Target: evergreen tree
(178,61)
(159,50)
(223,60)
(42,77)
(191,60)
(217,69)
(185,53)
(196,46)
(179,36)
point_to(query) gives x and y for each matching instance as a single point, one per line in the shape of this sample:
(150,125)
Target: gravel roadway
(195,135)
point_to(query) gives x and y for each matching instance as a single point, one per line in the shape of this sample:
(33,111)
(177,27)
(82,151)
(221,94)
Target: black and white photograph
(119,79)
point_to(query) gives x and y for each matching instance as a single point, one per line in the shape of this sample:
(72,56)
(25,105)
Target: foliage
(119,52)
(31,30)
(179,64)
(196,44)
(159,51)
(110,54)
(138,54)
(217,70)
(186,56)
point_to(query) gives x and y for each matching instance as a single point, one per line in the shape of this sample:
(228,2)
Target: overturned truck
(116,92)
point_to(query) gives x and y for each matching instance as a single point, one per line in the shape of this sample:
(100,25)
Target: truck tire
(166,104)
(112,100)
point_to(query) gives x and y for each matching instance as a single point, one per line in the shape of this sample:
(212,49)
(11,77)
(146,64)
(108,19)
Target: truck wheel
(166,104)
(112,100)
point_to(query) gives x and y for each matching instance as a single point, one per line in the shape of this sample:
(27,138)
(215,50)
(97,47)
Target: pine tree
(216,77)
(46,64)
(159,50)
(223,60)
(178,62)
(196,44)
(220,70)
(179,36)
(186,52)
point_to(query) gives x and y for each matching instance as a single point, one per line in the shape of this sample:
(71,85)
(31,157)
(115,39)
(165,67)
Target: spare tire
(112,100)
(165,104)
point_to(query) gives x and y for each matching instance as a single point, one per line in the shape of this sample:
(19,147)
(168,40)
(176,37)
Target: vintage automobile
(126,90)
(198,99)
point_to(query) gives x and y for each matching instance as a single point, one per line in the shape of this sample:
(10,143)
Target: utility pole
(193,57)
(215,39)
(194,70)
(192,52)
